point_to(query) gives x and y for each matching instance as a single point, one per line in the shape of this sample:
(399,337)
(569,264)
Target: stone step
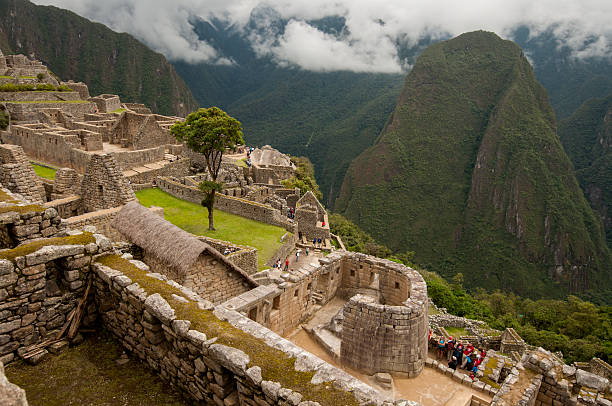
(460,399)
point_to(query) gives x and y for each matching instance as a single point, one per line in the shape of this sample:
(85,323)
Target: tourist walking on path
(297,255)
(287,264)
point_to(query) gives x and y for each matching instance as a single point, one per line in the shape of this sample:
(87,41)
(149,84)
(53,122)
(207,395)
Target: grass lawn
(44,172)
(456,331)
(229,227)
(88,375)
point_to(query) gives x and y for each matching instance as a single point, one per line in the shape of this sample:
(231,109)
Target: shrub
(4,119)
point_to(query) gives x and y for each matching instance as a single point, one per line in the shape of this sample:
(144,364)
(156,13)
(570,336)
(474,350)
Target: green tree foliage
(304,177)
(354,238)
(587,136)
(4,119)
(209,132)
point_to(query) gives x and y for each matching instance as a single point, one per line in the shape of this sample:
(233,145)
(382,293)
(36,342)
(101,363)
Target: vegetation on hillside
(470,175)
(579,329)
(587,138)
(76,48)
(304,177)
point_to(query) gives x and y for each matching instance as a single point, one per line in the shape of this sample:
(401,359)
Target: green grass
(456,331)
(229,227)
(88,375)
(44,172)
(6,77)
(27,77)
(120,110)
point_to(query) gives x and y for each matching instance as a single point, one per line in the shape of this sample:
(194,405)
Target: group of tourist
(290,212)
(317,242)
(459,355)
(279,265)
(248,161)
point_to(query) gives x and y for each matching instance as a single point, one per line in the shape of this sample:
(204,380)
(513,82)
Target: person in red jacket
(286,263)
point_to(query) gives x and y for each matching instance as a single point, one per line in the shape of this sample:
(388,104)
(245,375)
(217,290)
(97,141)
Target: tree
(209,132)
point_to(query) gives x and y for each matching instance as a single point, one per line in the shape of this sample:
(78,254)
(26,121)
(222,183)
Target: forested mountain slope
(76,48)
(587,138)
(469,173)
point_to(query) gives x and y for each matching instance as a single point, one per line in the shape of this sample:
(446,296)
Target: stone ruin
(65,128)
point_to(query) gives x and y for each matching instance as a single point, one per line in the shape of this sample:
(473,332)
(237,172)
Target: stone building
(181,256)
(311,218)
(17,175)
(104,185)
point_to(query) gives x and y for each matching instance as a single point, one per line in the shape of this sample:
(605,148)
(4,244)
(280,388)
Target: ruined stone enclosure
(385,319)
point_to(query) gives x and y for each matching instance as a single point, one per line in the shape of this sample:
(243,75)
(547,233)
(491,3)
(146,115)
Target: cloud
(373,27)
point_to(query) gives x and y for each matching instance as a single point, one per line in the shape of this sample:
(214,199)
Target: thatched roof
(171,245)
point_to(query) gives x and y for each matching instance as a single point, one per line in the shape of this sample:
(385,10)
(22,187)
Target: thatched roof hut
(169,244)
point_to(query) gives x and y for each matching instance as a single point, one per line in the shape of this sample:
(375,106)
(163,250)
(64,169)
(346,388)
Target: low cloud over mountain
(368,42)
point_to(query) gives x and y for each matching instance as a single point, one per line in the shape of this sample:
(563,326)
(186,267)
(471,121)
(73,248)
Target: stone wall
(106,103)
(242,256)
(29,111)
(211,371)
(67,207)
(101,220)
(66,183)
(132,159)
(245,208)
(39,286)
(25,223)
(387,338)
(286,249)
(139,131)
(39,96)
(212,280)
(178,168)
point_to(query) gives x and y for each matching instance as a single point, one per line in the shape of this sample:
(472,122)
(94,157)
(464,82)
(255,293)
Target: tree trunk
(210,206)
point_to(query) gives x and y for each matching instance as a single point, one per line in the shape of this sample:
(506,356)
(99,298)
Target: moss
(489,367)
(89,375)
(44,171)
(28,208)
(5,197)
(275,365)
(81,239)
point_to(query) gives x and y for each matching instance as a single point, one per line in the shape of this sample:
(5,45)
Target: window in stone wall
(296,293)
(352,272)
(276,303)
(396,285)
(309,287)
(101,190)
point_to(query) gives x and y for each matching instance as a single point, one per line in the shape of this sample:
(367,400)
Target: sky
(374,27)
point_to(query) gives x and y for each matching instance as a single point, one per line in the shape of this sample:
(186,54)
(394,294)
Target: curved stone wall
(388,333)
